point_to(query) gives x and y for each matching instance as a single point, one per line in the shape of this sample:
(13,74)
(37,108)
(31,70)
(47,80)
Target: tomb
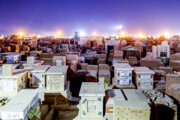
(56,81)
(144,78)
(91,103)
(127,105)
(122,75)
(31,63)
(20,105)
(12,81)
(38,76)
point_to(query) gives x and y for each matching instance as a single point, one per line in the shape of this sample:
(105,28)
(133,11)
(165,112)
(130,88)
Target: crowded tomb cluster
(89,78)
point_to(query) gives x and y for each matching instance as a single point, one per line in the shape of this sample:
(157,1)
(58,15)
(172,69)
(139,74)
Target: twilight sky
(48,16)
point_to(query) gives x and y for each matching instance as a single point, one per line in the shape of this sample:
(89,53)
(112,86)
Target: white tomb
(126,104)
(56,81)
(13,58)
(154,51)
(144,78)
(122,74)
(12,81)
(19,106)
(38,76)
(31,63)
(59,63)
(111,43)
(162,50)
(91,103)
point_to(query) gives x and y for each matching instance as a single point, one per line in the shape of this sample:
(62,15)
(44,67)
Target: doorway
(109,48)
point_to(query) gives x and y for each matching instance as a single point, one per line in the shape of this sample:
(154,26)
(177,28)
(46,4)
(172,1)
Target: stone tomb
(134,108)
(56,80)
(7,70)
(112,94)
(127,104)
(164,50)
(19,106)
(111,45)
(122,75)
(144,78)
(38,76)
(12,81)
(59,58)
(13,58)
(31,63)
(91,103)
(30,60)
(104,76)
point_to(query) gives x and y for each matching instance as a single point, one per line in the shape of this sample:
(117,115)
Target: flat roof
(143,70)
(131,104)
(122,65)
(20,104)
(37,62)
(16,73)
(116,94)
(57,70)
(40,68)
(134,100)
(92,89)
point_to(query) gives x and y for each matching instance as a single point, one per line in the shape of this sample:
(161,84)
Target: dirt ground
(66,115)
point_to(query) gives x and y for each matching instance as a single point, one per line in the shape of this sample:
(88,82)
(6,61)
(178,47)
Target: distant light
(122,34)
(58,34)
(2,37)
(94,34)
(141,36)
(82,33)
(117,37)
(39,36)
(158,36)
(32,35)
(114,34)
(167,35)
(21,34)
(106,35)
(119,27)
